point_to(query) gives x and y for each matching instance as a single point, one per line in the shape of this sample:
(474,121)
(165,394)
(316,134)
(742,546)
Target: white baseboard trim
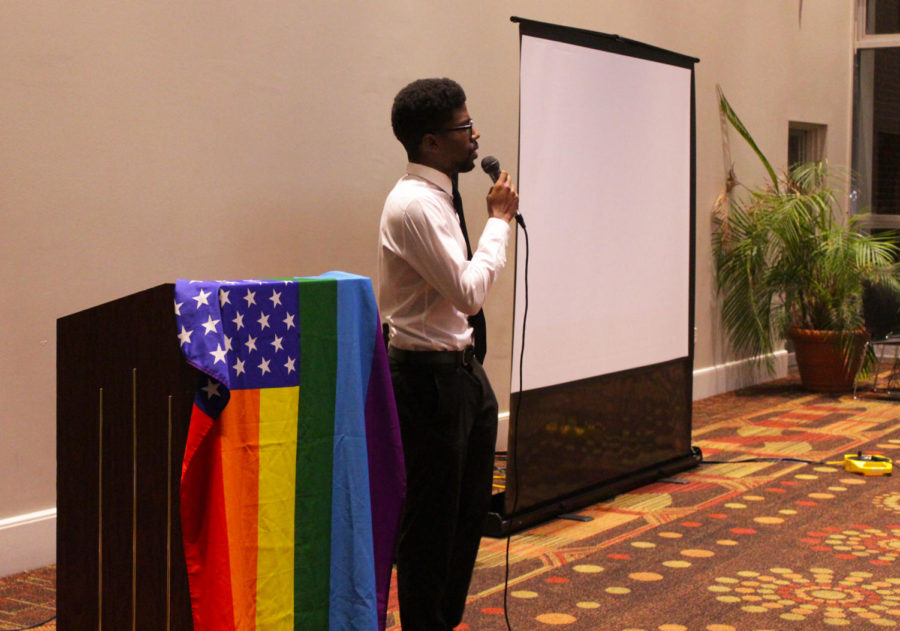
(707,382)
(502,431)
(27,541)
(737,374)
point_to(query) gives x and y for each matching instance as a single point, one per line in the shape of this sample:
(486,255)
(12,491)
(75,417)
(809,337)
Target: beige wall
(145,141)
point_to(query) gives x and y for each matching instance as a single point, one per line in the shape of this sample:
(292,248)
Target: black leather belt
(453,358)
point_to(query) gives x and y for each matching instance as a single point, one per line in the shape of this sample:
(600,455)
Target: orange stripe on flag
(240,473)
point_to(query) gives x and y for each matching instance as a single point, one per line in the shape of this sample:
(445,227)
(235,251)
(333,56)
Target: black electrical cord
(762,459)
(510,466)
(35,625)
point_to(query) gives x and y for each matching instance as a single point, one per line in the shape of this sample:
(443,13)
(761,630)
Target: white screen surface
(604,181)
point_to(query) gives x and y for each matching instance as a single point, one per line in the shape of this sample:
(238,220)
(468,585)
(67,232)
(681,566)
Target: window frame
(867,41)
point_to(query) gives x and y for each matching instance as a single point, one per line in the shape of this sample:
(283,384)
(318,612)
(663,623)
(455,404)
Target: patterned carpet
(729,547)
(756,546)
(28,599)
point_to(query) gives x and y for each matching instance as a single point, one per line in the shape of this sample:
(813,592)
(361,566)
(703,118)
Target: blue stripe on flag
(353,601)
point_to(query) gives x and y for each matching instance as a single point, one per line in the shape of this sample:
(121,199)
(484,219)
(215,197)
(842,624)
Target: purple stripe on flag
(387,478)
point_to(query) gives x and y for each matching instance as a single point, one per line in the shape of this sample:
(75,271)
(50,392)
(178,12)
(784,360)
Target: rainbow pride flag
(292,479)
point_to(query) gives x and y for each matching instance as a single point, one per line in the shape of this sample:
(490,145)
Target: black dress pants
(448,423)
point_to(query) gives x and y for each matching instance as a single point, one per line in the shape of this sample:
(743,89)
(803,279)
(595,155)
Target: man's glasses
(467,127)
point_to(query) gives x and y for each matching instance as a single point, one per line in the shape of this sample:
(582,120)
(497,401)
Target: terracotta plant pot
(822,365)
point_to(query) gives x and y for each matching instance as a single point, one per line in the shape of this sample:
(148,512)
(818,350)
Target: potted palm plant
(789,265)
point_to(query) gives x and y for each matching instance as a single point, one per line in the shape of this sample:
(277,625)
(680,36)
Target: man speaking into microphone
(432,285)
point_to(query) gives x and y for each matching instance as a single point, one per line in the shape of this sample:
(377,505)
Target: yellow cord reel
(866,464)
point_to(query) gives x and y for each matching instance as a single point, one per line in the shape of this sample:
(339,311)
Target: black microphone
(491,166)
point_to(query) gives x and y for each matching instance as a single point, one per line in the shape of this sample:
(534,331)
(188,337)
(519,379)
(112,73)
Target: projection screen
(606,188)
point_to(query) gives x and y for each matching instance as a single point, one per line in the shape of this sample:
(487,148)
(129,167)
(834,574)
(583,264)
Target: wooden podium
(124,397)
(125,404)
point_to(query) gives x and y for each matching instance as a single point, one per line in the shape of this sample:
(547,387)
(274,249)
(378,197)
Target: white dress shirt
(426,285)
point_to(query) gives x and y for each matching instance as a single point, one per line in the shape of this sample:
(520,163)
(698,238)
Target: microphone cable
(491,166)
(510,464)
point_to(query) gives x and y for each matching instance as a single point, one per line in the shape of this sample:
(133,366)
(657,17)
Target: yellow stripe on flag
(277,477)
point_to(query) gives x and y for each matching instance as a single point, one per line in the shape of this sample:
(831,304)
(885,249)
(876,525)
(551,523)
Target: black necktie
(476,321)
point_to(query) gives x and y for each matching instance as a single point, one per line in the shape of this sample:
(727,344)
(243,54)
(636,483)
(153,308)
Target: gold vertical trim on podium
(100,512)
(169,522)
(134,484)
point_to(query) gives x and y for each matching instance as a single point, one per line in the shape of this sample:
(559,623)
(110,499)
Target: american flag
(244,334)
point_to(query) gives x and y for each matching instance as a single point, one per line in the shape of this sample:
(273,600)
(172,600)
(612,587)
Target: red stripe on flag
(202,514)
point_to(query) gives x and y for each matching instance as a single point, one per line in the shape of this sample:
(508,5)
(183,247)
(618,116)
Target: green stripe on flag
(315,449)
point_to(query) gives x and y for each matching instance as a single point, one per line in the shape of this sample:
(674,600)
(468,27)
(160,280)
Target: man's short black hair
(424,106)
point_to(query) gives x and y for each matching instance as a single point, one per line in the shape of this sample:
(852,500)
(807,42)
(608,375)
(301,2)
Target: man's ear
(430,143)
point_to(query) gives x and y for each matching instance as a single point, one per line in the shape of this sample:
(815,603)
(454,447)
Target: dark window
(882,16)
(806,142)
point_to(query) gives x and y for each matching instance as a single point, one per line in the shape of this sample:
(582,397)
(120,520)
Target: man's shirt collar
(438,178)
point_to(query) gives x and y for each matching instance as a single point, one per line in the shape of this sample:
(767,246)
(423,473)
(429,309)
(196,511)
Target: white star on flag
(239,367)
(263,320)
(290,365)
(210,325)
(239,320)
(289,321)
(264,366)
(185,336)
(250,343)
(202,297)
(223,298)
(277,343)
(250,297)
(275,298)
(178,308)
(219,354)
(211,389)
